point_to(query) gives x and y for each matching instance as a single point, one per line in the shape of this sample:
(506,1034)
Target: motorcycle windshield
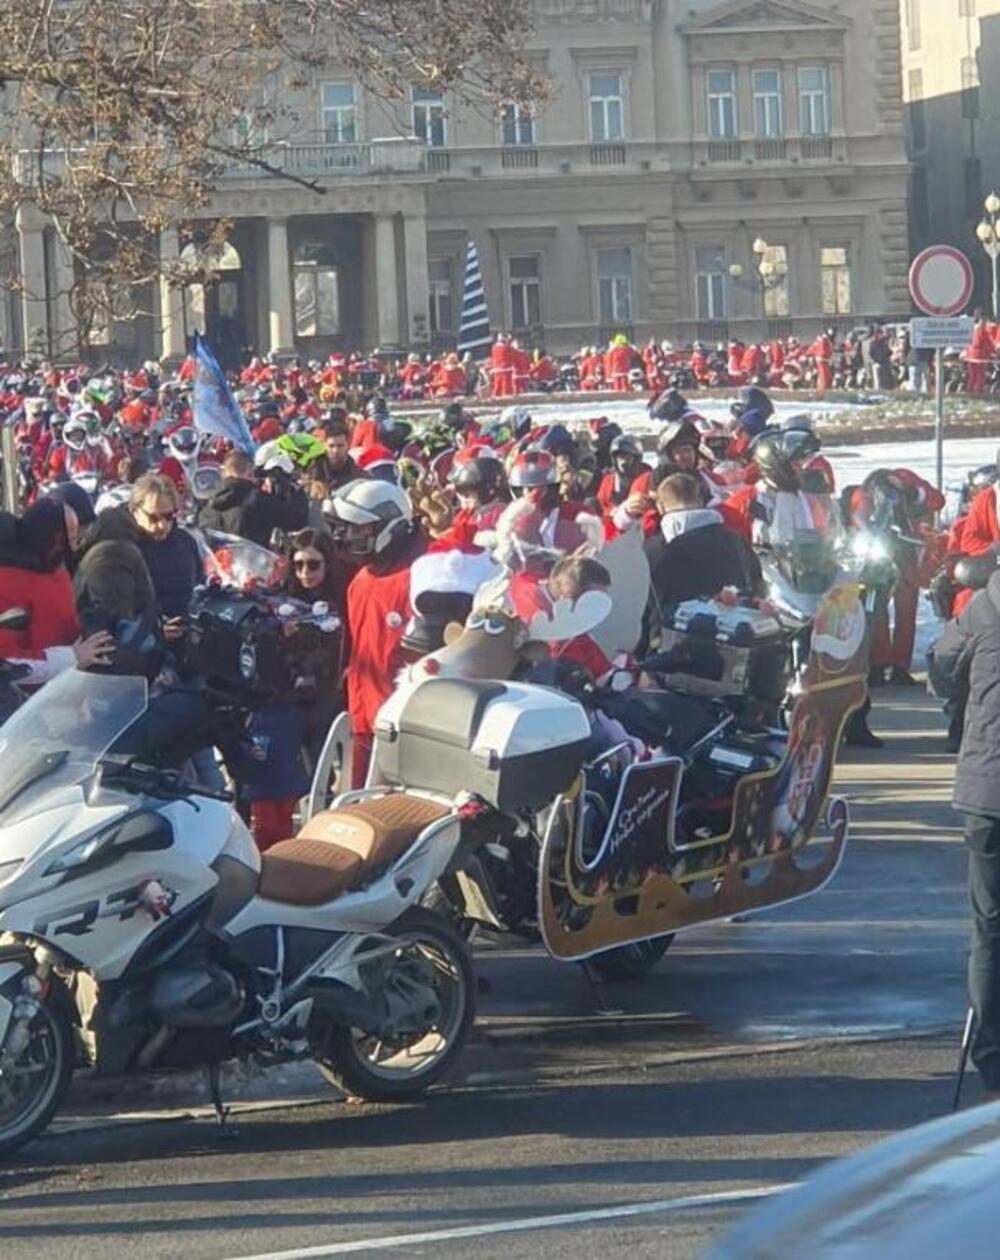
(236,562)
(59,736)
(808,561)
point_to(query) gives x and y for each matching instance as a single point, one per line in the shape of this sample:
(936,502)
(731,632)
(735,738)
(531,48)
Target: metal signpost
(941,285)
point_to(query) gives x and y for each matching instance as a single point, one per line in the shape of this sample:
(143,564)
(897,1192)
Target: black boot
(857,733)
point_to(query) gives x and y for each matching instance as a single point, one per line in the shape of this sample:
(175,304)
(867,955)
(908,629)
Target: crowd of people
(114,472)
(874,358)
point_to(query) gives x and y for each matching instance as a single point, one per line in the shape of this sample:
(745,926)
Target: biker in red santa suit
(373,524)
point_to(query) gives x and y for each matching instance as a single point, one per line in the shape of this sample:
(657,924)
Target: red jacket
(378,608)
(48,597)
(981,528)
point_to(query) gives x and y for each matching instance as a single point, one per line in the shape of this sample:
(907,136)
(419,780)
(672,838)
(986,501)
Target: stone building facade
(951,66)
(679,134)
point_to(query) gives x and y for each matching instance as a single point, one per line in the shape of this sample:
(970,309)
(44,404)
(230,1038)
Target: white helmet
(271,458)
(378,511)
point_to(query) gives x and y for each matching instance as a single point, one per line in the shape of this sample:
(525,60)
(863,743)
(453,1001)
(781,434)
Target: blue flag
(215,409)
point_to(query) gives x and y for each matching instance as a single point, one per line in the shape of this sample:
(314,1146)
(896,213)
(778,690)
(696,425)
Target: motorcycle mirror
(15,619)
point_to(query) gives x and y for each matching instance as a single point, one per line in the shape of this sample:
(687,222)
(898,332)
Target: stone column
(417,285)
(173,343)
(65,342)
(279,288)
(34,294)
(387,286)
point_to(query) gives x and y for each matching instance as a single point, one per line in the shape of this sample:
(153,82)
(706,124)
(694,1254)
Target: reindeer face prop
(491,644)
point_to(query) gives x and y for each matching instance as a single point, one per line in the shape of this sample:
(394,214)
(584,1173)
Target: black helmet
(679,431)
(800,444)
(481,476)
(774,462)
(669,406)
(625,453)
(454,416)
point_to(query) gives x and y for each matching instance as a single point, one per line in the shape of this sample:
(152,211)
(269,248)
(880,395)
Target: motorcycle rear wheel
(375,1069)
(33,1087)
(630,962)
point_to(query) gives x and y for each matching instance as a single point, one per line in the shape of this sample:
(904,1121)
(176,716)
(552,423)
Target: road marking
(525,1224)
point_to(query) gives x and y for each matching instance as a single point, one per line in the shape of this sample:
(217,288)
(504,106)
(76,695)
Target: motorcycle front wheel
(34,1079)
(377,1068)
(630,962)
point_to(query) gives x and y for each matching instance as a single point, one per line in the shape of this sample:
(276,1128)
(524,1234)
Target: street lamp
(988,233)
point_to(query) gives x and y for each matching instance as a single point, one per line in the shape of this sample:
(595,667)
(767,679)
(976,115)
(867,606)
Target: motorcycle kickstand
(963,1055)
(215,1092)
(597,988)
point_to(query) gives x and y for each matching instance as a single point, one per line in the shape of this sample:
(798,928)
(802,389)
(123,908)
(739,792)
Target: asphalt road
(755,1052)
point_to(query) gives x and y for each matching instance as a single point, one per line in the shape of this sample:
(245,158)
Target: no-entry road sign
(941,281)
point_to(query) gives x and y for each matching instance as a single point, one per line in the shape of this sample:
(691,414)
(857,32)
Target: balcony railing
(520,157)
(725,151)
(770,150)
(373,157)
(816,148)
(607,155)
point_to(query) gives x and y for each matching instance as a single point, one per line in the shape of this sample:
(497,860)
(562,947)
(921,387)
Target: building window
(835,280)
(614,286)
(918,111)
(913,23)
(722,116)
(775,264)
(525,291)
(767,103)
(970,87)
(442,317)
(340,115)
(517,124)
(607,107)
(317,304)
(710,283)
(814,101)
(429,119)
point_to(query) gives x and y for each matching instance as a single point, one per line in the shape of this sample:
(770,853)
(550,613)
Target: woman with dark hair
(274,784)
(35,553)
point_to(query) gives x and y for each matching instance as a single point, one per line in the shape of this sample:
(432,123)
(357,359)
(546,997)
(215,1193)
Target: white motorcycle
(140,929)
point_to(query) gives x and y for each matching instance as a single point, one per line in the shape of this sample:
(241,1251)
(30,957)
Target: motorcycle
(142,931)
(554,790)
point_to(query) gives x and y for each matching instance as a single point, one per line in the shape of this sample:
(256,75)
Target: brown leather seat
(339,850)
(307,872)
(378,830)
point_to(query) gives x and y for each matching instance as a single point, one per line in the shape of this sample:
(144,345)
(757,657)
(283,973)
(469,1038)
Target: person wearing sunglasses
(149,522)
(274,783)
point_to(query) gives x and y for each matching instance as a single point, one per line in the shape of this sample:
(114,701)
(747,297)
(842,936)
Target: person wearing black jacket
(693,555)
(149,523)
(969,649)
(337,467)
(243,508)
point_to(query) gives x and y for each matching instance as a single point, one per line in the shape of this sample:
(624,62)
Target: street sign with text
(941,281)
(939,334)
